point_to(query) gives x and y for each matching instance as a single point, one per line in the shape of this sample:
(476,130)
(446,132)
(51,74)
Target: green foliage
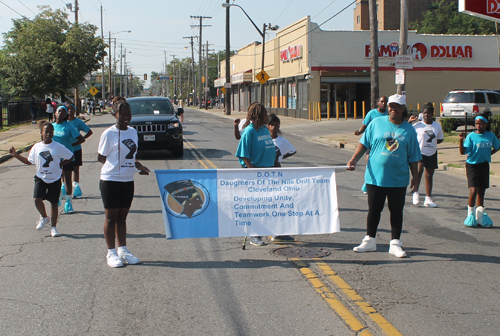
(443,17)
(48,54)
(449,124)
(495,125)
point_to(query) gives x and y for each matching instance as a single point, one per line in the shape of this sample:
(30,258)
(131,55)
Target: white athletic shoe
(127,257)
(54,232)
(113,260)
(415,198)
(42,222)
(368,244)
(396,249)
(429,203)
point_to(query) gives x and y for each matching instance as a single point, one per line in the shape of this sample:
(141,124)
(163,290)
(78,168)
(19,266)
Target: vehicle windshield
(151,106)
(459,97)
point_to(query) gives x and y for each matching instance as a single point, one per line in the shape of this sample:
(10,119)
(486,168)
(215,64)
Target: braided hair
(118,102)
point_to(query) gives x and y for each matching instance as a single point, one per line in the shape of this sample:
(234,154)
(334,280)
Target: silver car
(462,104)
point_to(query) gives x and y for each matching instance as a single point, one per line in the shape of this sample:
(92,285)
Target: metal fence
(17,112)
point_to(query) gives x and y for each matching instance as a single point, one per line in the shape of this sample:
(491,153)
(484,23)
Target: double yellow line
(321,288)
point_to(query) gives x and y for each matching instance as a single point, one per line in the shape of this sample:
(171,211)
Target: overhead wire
(324,9)
(275,20)
(26,6)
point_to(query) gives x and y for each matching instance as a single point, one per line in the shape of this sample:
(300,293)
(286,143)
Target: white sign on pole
(400,77)
(404,62)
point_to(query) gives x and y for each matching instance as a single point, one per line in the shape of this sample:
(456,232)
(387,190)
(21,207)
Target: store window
(292,95)
(302,93)
(274,95)
(266,96)
(282,95)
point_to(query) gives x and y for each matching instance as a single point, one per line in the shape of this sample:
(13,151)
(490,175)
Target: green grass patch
(453,165)
(452,137)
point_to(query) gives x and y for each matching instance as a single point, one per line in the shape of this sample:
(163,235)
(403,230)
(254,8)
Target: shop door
(342,96)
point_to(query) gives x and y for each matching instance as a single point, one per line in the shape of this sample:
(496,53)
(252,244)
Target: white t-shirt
(119,148)
(240,125)
(427,136)
(47,159)
(284,147)
(49,109)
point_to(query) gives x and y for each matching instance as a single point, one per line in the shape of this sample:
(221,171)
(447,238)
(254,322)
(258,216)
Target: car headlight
(173,125)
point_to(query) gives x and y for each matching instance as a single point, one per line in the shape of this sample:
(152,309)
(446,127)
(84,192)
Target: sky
(158,27)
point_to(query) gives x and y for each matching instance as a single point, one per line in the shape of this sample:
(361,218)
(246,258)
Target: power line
(21,15)
(276,20)
(26,7)
(324,9)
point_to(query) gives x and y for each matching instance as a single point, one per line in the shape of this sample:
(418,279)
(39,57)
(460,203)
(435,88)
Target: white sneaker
(127,257)
(54,232)
(368,244)
(395,248)
(429,203)
(415,198)
(479,215)
(113,260)
(42,222)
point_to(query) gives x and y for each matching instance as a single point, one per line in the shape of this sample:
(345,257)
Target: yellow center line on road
(385,325)
(332,300)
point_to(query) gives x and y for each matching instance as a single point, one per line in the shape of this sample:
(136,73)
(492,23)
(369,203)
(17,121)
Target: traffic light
(203,79)
(157,78)
(145,76)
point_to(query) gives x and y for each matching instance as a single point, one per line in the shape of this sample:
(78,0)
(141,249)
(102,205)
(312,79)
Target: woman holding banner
(394,150)
(256,148)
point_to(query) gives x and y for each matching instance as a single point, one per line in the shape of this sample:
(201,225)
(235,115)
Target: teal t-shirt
(80,126)
(392,148)
(65,134)
(478,147)
(373,114)
(258,146)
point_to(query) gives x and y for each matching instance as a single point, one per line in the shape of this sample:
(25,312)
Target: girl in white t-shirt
(284,149)
(429,135)
(117,151)
(48,157)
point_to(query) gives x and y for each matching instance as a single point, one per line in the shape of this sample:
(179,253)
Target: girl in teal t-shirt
(478,147)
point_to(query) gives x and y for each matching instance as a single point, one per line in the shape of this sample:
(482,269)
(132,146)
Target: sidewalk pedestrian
(50,109)
(478,147)
(394,151)
(80,126)
(429,135)
(256,147)
(33,109)
(378,112)
(49,157)
(284,149)
(68,136)
(117,152)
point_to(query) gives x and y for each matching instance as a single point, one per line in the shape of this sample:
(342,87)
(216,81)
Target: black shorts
(78,158)
(47,191)
(116,194)
(69,166)
(430,162)
(478,175)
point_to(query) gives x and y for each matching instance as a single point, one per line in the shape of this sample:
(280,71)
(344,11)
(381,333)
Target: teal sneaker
(68,207)
(470,221)
(63,190)
(487,222)
(77,193)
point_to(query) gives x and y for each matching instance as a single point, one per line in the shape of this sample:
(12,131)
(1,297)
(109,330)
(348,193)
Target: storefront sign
(486,9)
(291,53)
(420,51)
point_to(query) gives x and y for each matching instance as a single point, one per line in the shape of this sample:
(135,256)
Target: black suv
(155,120)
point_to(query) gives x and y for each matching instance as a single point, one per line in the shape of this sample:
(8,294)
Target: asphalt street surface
(62,286)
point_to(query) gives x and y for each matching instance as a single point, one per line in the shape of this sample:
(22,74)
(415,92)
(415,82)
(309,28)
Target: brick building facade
(388,12)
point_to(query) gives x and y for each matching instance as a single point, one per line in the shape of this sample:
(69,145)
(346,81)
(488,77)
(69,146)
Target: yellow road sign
(262,77)
(93,91)
(223,90)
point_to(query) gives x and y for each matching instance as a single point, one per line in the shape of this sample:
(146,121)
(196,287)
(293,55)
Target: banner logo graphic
(185,198)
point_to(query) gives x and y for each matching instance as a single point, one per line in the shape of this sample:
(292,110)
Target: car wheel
(179,151)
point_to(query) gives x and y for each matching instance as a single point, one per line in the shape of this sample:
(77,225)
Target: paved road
(62,286)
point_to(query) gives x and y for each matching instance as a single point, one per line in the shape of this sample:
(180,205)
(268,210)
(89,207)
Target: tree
(48,54)
(443,17)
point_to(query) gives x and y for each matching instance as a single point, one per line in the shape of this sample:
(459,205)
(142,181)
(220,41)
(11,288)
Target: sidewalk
(335,133)
(340,134)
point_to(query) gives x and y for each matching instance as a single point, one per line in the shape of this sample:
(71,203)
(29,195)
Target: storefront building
(307,66)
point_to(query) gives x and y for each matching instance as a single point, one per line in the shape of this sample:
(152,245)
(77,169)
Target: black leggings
(376,200)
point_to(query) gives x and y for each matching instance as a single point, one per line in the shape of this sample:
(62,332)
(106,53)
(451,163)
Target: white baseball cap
(398,99)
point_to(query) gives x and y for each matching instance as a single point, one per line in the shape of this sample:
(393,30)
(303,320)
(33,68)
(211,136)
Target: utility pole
(121,69)
(103,90)
(372,8)
(167,86)
(192,69)
(206,79)
(227,85)
(77,89)
(200,51)
(111,92)
(174,80)
(403,38)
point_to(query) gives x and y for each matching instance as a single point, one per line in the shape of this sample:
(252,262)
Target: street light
(262,34)
(109,70)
